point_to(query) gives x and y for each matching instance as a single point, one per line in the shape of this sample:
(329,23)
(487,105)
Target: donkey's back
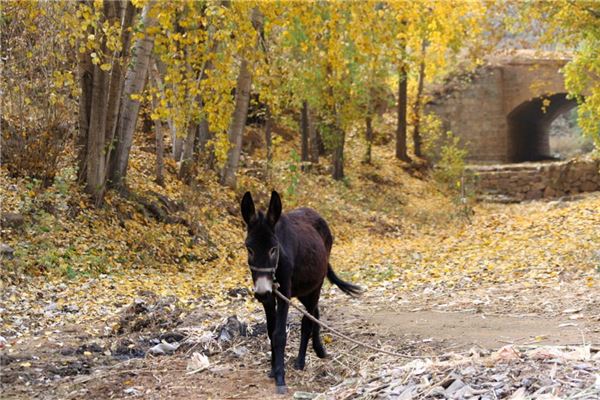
(305,215)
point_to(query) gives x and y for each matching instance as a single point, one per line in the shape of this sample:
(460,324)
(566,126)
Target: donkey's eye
(273,252)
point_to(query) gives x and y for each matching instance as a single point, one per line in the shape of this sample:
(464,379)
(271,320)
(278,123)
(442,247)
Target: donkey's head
(262,245)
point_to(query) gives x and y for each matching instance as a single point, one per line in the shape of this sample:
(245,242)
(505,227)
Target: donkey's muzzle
(263,288)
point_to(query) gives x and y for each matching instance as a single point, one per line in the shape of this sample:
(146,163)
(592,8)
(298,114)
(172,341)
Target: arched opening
(566,138)
(528,127)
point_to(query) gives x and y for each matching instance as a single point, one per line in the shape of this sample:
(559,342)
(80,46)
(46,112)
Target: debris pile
(547,372)
(150,313)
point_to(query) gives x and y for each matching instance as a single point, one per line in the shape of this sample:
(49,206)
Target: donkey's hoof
(281,389)
(320,352)
(299,365)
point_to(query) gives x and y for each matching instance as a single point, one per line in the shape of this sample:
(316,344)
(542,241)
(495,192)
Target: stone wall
(530,181)
(474,111)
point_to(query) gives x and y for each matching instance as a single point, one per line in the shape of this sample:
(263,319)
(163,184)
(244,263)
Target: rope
(338,333)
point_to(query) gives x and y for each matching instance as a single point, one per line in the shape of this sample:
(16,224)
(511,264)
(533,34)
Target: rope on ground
(338,333)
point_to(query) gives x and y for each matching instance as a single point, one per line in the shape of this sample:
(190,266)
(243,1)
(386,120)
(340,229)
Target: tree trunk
(177,149)
(204,147)
(95,157)
(135,79)
(240,112)
(96,139)
(159,70)
(304,129)
(417,105)
(401,152)
(190,151)
(127,14)
(187,155)
(268,137)
(205,151)
(313,139)
(369,138)
(160,151)
(236,128)
(338,154)
(86,76)
(321,144)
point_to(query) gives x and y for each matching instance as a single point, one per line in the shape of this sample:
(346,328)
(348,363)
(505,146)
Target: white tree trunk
(95,161)
(187,156)
(135,80)
(236,128)
(240,113)
(95,157)
(177,150)
(127,15)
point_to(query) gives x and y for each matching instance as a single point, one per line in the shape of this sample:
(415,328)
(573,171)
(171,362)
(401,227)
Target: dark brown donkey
(291,250)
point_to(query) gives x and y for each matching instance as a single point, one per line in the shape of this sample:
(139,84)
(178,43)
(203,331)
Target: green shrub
(450,168)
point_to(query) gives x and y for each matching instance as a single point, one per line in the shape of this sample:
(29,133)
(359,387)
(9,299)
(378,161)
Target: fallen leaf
(505,353)
(163,348)
(198,362)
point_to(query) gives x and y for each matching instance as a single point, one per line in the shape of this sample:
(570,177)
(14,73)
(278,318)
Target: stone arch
(528,123)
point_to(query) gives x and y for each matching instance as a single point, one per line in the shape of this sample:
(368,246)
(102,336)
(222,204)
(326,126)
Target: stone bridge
(503,110)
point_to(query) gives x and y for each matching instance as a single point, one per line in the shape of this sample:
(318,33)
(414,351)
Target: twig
(379,388)
(340,334)
(434,385)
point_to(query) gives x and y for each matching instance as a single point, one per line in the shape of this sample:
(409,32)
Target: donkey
(292,251)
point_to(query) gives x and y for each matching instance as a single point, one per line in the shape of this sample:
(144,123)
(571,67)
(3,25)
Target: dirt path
(77,365)
(465,330)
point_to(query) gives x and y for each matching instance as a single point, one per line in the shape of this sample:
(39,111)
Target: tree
(311,56)
(401,149)
(574,24)
(304,130)
(238,122)
(242,99)
(417,104)
(38,86)
(135,79)
(96,63)
(109,99)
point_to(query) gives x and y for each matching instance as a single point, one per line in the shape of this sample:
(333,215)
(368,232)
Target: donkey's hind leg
(309,303)
(316,336)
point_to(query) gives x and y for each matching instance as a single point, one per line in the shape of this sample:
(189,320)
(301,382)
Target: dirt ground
(504,308)
(425,324)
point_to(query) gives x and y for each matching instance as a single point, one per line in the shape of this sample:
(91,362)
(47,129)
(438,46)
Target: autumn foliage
(194,65)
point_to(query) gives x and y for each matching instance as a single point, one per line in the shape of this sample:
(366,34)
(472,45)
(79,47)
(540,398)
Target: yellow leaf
(105,67)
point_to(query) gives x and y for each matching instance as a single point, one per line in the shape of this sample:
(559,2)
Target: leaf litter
(108,290)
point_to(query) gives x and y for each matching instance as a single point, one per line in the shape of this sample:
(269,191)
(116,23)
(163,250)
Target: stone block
(549,192)
(12,220)
(533,194)
(589,186)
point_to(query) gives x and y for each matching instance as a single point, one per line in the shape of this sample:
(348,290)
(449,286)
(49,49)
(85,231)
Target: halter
(271,270)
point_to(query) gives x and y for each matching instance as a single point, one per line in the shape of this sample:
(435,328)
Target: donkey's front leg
(269,306)
(279,339)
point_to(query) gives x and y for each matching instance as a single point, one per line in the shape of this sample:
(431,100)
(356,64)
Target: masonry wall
(475,113)
(526,80)
(535,181)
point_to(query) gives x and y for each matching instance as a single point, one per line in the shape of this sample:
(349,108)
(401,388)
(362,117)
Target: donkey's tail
(348,288)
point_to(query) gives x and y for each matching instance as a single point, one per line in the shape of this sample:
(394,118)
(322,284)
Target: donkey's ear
(274,208)
(247,206)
